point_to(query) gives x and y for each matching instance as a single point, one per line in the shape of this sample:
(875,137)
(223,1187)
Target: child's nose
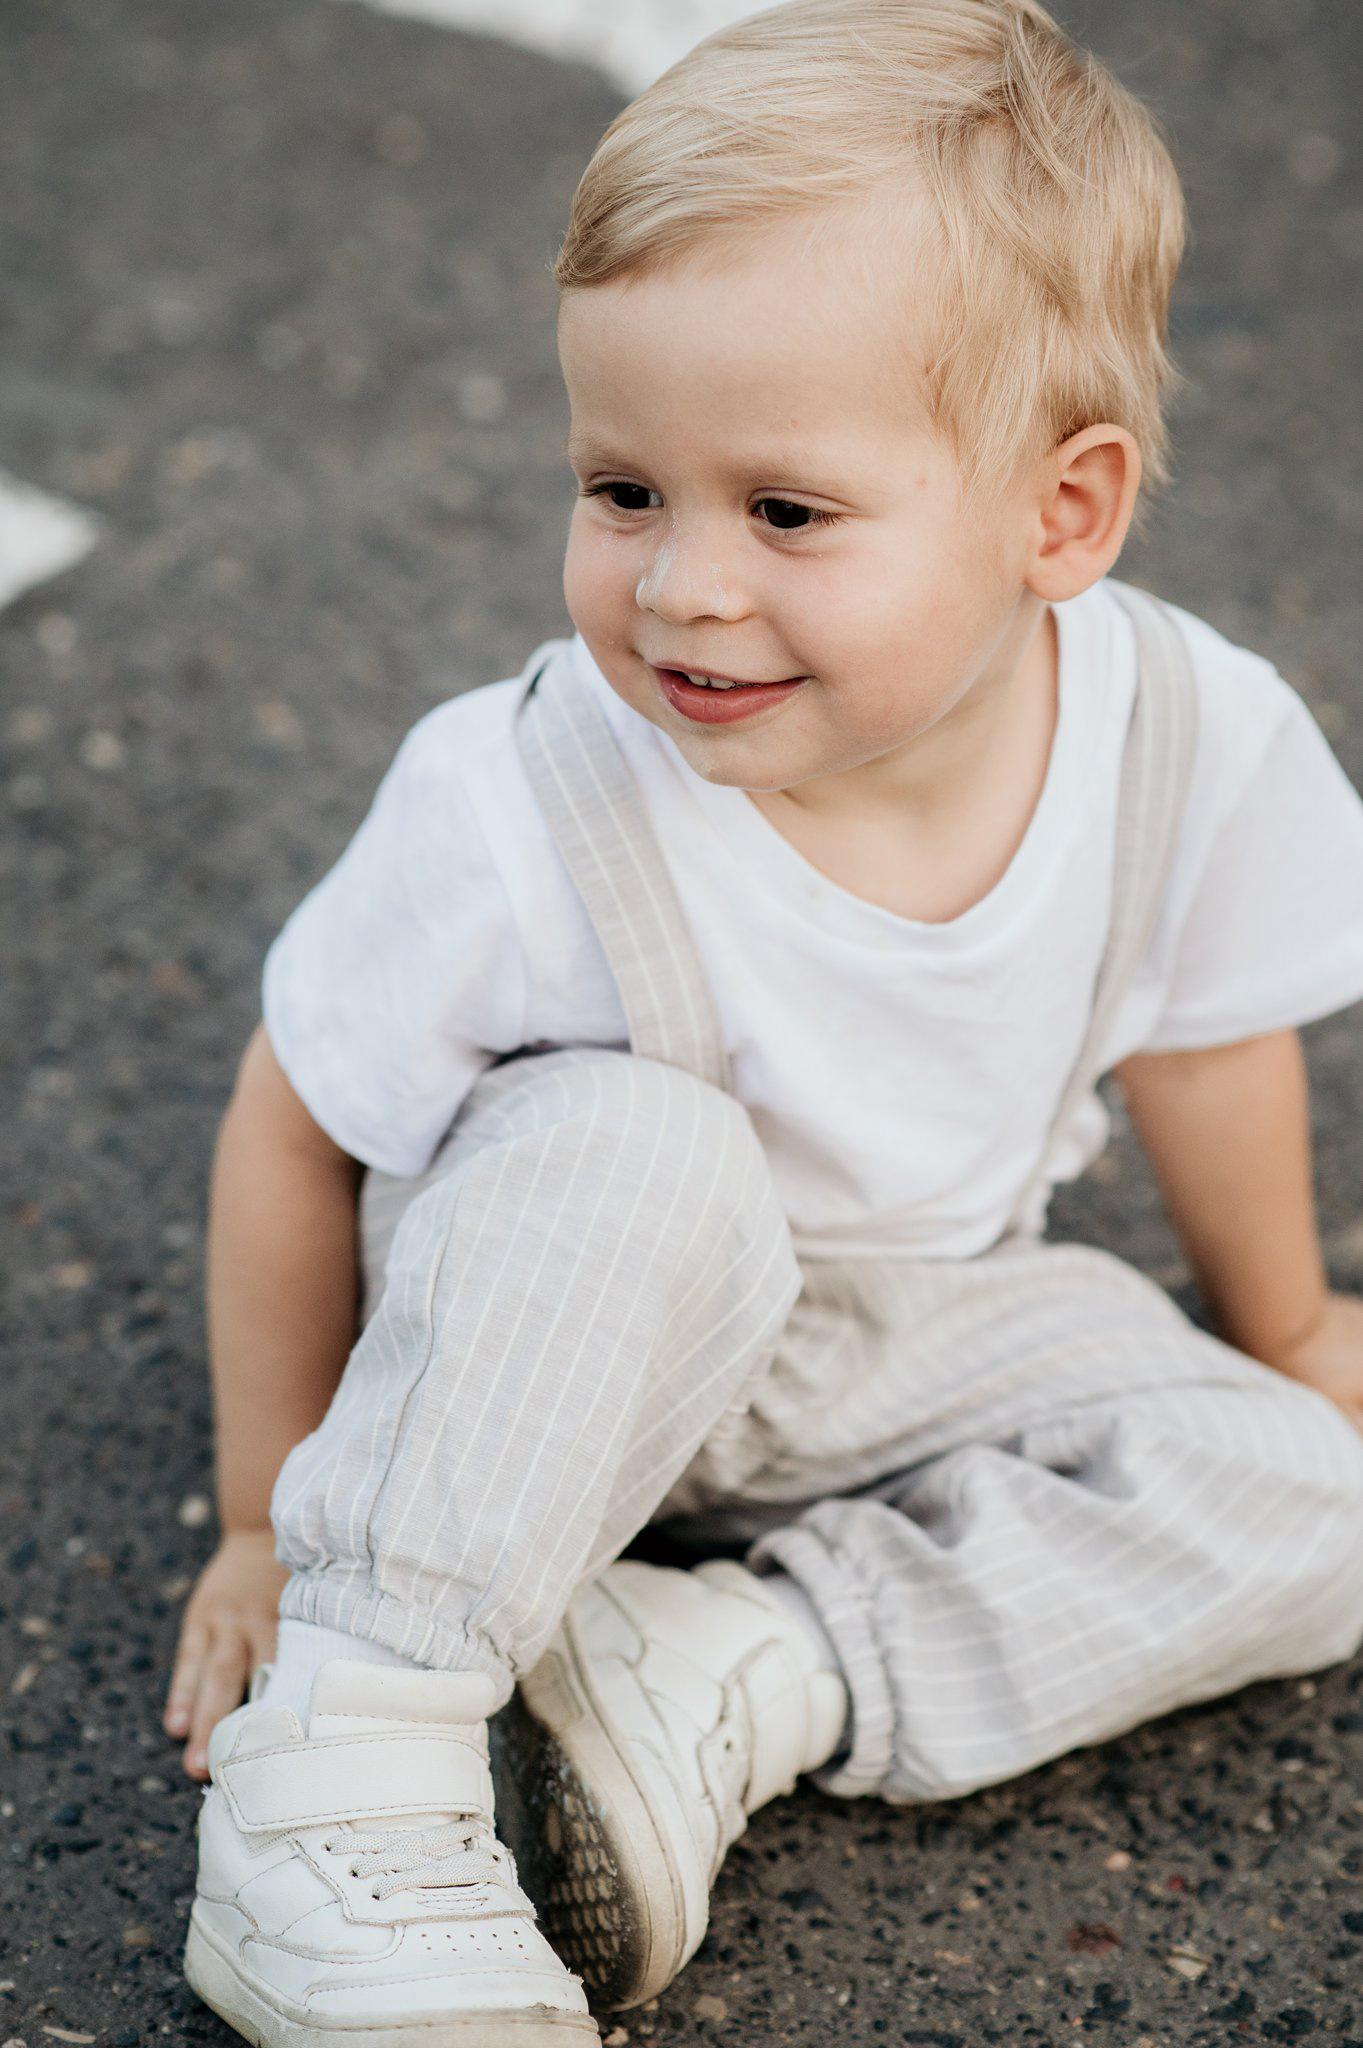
(687,579)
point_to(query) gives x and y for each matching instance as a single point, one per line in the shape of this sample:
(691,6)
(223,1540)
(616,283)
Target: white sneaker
(669,1707)
(351,1887)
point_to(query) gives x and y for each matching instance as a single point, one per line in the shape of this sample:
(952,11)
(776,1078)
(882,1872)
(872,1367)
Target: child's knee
(612,1107)
(603,1142)
(620,1097)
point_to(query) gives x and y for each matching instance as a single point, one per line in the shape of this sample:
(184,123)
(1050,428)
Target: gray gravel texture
(276,305)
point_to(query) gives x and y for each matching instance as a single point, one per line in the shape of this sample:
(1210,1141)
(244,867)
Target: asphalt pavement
(276,308)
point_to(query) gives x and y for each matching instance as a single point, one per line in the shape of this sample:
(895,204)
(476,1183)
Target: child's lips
(704,706)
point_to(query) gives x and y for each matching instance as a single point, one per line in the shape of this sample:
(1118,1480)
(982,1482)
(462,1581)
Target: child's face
(764,501)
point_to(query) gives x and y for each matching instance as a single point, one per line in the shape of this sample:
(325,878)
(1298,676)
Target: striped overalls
(1032,1505)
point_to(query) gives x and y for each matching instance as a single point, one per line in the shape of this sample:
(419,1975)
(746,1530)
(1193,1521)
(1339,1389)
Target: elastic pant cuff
(840,1602)
(357,1608)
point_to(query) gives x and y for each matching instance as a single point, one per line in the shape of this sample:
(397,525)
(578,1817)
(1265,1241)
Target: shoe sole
(604,1849)
(218,1980)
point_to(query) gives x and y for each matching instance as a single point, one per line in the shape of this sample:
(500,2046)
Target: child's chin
(724,765)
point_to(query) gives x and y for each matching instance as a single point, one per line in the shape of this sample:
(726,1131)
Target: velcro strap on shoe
(354,1777)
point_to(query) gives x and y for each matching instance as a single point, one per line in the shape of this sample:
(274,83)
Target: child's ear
(1088,496)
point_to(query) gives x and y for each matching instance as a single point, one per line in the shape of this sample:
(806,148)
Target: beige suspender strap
(592,806)
(1157,769)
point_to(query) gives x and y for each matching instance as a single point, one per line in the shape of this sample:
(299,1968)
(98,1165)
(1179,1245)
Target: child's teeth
(708,682)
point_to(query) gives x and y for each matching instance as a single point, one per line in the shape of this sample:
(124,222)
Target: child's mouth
(719,700)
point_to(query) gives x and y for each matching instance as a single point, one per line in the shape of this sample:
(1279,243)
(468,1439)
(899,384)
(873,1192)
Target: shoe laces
(452,1855)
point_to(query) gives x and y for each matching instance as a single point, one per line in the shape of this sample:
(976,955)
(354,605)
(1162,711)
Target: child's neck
(930,830)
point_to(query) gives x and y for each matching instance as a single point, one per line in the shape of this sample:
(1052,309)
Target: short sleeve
(401,977)
(1271,930)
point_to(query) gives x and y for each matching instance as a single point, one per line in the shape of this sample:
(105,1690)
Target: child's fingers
(184,1682)
(195,1760)
(222,1686)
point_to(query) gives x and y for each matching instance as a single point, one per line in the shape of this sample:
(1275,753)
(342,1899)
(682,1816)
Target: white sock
(829,1702)
(304,1647)
(794,1598)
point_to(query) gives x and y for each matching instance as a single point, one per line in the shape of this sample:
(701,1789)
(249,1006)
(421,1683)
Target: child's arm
(282,1288)
(1228,1131)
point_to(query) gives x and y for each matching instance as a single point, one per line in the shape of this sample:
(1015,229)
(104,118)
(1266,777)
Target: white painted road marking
(40,536)
(630,40)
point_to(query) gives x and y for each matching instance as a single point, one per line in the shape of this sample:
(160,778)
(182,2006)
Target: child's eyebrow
(578,447)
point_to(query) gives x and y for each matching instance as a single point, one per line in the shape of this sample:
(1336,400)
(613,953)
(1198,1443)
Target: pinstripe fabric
(587,794)
(1032,1505)
(594,1269)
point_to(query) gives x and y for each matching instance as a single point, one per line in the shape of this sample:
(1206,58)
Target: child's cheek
(596,583)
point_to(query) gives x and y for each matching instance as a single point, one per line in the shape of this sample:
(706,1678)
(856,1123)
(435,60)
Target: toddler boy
(709,1012)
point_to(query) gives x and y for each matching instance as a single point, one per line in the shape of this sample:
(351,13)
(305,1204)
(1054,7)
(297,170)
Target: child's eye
(788,517)
(624,497)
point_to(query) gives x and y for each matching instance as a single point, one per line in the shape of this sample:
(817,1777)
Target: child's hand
(228,1630)
(1329,1357)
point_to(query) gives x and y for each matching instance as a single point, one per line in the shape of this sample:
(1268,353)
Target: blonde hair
(1056,212)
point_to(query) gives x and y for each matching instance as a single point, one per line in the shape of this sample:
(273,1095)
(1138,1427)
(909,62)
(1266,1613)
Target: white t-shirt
(902,1076)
